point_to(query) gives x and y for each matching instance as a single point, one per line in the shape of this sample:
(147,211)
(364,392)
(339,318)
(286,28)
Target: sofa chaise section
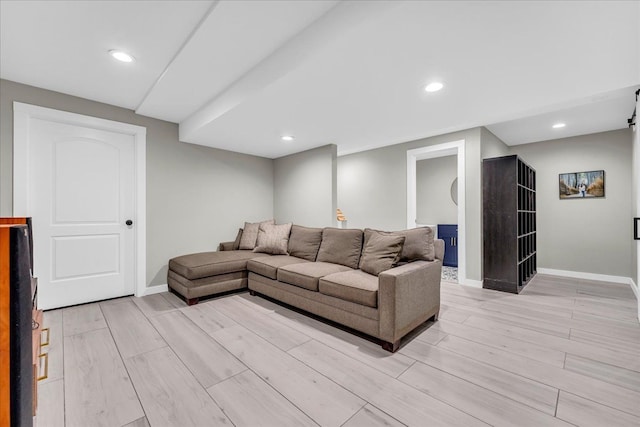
(207,273)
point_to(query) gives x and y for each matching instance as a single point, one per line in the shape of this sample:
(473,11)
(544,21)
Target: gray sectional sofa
(383,284)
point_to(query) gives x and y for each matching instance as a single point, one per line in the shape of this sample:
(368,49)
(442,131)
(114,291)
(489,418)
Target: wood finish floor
(564,352)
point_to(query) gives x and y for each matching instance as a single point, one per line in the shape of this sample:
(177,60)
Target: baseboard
(591,276)
(472,283)
(150,290)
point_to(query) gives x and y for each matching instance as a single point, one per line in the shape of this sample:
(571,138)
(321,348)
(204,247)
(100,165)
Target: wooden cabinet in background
(509,223)
(36,354)
(18,292)
(16,360)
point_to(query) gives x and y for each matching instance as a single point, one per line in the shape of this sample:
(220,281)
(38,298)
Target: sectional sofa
(383,284)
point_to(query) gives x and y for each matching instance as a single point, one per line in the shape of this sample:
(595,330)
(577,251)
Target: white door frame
(431,152)
(635,171)
(23,113)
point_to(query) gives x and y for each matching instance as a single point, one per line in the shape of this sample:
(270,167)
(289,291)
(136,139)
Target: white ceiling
(238,75)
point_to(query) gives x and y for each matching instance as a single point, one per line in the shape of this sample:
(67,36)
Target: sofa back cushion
(341,246)
(250,234)
(304,242)
(381,251)
(273,239)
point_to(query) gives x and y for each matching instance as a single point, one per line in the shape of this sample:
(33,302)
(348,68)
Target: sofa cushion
(381,251)
(306,275)
(355,286)
(273,239)
(304,242)
(250,234)
(204,264)
(341,246)
(268,266)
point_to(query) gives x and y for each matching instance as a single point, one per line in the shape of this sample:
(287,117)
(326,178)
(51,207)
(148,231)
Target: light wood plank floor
(564,352)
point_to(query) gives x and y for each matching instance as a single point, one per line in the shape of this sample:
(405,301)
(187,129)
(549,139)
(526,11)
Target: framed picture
(636,228)
(582,185)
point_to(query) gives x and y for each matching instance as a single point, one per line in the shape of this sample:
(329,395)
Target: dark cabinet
(509,223)
(449,233)
(16,360)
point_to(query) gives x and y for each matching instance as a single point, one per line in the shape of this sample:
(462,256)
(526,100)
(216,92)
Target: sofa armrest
(225,246)
(407,296)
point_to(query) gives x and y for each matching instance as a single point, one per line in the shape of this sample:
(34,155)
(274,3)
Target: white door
(81,187)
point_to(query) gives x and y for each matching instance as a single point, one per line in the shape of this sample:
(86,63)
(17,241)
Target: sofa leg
(435,317)
(252,292)
(192,301)
(391,346)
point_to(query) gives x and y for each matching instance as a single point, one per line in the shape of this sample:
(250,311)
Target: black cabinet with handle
(449,233)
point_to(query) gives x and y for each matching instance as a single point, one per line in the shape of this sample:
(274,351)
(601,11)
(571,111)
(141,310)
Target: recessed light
(433,87)
(558,125)
(121,56)
(287,138)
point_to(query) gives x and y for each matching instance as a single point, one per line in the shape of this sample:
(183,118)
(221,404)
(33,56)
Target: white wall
(196,196)
(434,177)
(590,235)
(305,187)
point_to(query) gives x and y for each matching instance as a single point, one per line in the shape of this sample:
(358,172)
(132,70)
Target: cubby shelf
(509,223)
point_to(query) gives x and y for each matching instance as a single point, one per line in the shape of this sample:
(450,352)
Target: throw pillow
(304,242)
(273,239)
(418,244)
(236,242)
(341,246)
(250,234)
(381,251)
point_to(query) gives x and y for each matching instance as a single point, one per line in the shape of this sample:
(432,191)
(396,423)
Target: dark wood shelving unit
(18,289)
(509,223)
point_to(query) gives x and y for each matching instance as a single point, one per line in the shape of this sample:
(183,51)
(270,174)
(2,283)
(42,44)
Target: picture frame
(581,185)
(636,228)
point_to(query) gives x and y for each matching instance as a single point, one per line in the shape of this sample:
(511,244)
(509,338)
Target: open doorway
(435,198)
(437,206)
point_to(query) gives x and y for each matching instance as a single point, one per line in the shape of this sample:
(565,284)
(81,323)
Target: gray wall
(305,187)
(196,196)
(372,189)
(492,146)
(583,235)
(434,177)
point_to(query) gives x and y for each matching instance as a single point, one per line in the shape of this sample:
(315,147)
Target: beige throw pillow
(250,234)
(381,251)
(273,239)
(418,244)
(236,242)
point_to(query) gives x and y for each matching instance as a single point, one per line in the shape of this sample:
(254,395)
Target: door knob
(129,222)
